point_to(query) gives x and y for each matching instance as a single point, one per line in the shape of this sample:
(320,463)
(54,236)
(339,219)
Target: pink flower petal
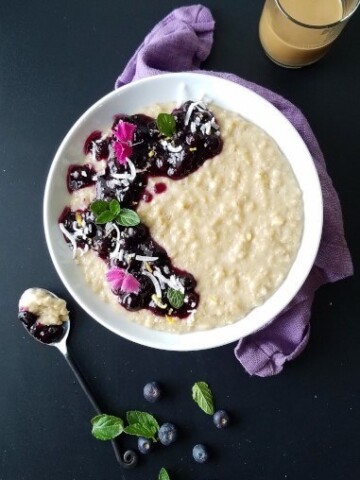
(130,284)
(122,152)
(115,276)
(119,279)
(124,131)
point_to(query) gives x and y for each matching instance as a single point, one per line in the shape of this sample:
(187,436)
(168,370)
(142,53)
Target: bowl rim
(197,337)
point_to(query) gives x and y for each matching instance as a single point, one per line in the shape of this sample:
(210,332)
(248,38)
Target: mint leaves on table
(163,474)
(202,395)
(111,211)
(106,427)
(140,424)
(175,298)
(166,124)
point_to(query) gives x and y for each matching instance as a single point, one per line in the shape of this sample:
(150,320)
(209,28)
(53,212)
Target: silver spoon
(127,459)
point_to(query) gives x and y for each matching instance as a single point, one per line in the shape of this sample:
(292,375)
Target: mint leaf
(141,430)
(166,124)
(108,211)
(114,207)
(104,217)
(163,474)
(134,416)
(141,424)
(127,218)
(175,298)
(99,206)
(202,395)
(106,427)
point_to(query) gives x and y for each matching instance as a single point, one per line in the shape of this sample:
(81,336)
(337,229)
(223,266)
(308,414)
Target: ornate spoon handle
(127,459)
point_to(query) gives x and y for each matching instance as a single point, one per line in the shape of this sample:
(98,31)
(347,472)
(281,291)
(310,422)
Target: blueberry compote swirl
(196,139)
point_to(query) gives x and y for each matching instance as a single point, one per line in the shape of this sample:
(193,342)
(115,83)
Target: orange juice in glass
(295,33)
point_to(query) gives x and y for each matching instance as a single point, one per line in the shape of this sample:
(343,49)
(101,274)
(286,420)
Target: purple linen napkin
(180,42)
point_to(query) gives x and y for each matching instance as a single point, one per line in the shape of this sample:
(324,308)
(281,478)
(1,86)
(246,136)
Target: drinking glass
(295,33)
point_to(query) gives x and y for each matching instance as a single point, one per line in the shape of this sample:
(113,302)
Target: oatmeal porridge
(220,208)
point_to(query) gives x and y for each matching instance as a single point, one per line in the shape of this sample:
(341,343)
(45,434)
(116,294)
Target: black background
(56,59)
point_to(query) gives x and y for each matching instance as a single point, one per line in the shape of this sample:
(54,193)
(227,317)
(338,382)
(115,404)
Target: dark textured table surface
(56,59)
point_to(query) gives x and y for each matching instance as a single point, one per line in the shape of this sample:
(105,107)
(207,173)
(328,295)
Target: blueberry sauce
(44,333)
(132,249)
(147,196)
(89,142)
(80,176)
(47,333)
(97,146)
(159,188)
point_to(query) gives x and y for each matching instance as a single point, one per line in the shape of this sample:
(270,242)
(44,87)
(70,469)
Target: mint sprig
(175,298)
(134,416)
(139,430)
(141,424)
(106,427)
(111,211)
(163,474)
(166,124)
(202,395)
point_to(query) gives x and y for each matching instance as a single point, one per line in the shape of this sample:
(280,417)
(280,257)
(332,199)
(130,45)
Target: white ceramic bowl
(166,88)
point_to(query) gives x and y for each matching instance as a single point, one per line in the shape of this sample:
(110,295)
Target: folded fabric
(180,42)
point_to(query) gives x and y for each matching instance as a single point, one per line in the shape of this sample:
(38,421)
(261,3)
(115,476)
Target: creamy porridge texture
(235,224)
(49,309)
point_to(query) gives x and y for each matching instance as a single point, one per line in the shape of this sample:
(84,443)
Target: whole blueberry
(200,453)
(152,392)
(221,419)
(167,433)
(188,281)
(27,318)
(115,262)
(144,445)
(131,301)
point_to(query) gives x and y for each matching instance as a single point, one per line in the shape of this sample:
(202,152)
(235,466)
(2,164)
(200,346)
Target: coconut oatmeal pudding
(184,218)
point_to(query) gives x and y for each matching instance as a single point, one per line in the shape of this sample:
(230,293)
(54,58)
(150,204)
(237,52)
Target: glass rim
(327,25)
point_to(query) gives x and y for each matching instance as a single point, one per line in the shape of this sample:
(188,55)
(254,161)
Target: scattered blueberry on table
(144,445)
(200,453)
(152,392)
(221,419)
(146,427)
(167,434)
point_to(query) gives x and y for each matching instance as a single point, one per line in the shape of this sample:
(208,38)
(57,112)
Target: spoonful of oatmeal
(46,319)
